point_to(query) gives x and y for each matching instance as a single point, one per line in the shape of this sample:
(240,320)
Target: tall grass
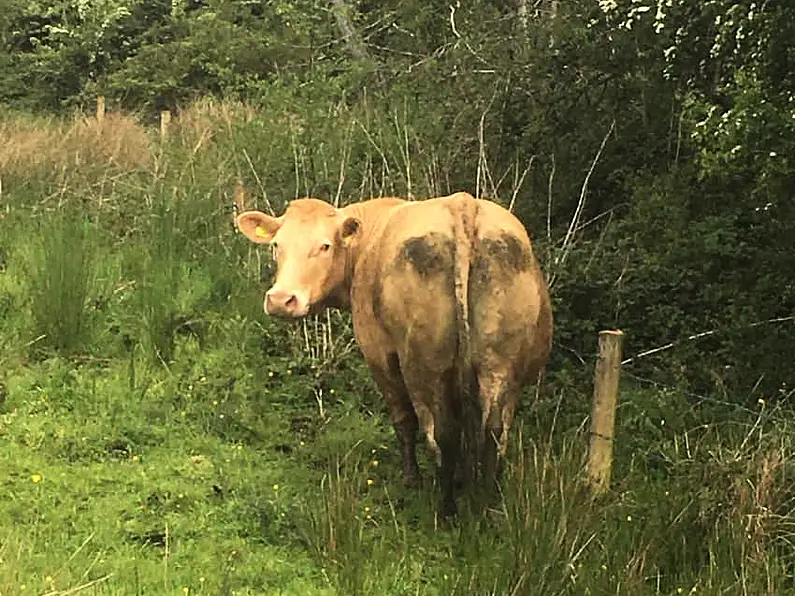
(355,531)
(40,144)
(719,523)
(61,273)
(538,541)
(159,278)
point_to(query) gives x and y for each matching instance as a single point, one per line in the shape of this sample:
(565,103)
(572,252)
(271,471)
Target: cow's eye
(325,247)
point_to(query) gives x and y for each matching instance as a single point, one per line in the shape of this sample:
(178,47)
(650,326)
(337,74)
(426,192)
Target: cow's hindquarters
(510,333)
(415,303)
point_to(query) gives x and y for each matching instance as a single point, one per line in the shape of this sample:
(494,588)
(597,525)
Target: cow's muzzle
(281,303)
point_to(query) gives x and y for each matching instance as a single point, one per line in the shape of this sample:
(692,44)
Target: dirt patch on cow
(497,258)
(509,252)
(428,255)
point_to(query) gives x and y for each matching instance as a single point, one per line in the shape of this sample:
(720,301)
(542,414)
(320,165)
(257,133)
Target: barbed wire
(703,334)
(690,394)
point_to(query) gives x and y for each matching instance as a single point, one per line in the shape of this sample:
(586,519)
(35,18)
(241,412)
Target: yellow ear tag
(260,232)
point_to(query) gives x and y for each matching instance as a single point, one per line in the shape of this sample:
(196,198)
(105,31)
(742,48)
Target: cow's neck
(373,215)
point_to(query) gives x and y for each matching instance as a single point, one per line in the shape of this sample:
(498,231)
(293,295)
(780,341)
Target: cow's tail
(464,219)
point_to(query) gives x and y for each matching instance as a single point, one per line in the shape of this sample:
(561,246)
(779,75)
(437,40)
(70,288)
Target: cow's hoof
(447,516)
(412,479)
(447,509)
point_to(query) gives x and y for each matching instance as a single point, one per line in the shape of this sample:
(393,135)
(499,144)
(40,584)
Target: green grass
(61,274)
(159,435)
(228,473)
(219,478)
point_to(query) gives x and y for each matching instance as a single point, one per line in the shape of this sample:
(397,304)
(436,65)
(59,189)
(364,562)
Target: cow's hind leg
(406,431)
(389,380)
(439,421)
(499,396)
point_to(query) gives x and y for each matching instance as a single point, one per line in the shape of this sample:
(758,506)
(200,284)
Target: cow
(449,307)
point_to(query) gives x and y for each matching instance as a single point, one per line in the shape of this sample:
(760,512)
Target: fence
(165,116)
(603,412)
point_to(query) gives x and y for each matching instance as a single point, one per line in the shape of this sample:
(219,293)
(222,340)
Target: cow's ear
(258,227)
(349,230)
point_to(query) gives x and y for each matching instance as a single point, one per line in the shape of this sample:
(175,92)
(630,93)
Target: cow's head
(310,245)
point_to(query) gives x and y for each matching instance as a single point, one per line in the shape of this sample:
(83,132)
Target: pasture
(160,435)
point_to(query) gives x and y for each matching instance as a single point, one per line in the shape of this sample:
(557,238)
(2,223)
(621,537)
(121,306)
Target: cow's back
(408,284)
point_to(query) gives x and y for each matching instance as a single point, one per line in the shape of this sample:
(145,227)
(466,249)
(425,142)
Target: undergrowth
(158,434)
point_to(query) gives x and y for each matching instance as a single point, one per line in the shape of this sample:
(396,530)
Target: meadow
(160,435)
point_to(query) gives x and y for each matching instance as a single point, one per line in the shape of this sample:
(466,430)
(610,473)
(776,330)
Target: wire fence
(735,414)
(698,397)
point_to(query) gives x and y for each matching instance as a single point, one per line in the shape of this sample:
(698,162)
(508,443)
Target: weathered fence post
(100,108)
(603,414)
(165,120)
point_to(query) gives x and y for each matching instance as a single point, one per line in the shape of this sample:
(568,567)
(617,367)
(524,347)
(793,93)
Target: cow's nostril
(279,301)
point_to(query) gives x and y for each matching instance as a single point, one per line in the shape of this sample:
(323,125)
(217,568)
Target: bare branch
(549,213)
(351,36)
(404,149)
(238,204)
(523,17)
(464,41)
(263,193)
(595,218)
(517,184)
(599,242)
(452,20)
(672,344)
(346,152)
(568,239)
(384,160)
(483,162)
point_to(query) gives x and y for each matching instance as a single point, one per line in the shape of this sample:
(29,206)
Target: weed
(61,274)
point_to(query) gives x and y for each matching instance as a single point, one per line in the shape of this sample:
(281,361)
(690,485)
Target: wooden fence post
(100,108)
(165,120)
(603,414)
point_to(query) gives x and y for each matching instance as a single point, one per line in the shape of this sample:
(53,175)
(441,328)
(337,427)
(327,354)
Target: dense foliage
(685,225)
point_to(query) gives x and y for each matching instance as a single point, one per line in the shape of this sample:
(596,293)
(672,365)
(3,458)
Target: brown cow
(449,305)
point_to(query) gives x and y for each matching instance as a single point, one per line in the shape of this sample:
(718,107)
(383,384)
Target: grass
(143,497)
(159,435)
(61,273)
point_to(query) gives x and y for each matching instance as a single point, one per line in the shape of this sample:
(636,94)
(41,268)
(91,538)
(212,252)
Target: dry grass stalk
(43,143)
